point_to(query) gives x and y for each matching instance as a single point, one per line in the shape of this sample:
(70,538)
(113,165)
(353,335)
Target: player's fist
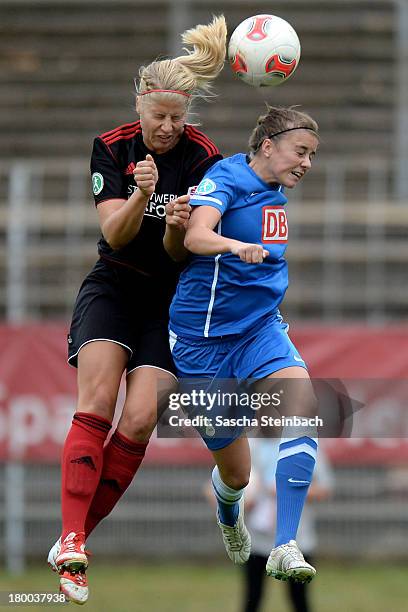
(145,175)
(249,253)
(178,212)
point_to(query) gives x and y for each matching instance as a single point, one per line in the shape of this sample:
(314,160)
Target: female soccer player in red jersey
(121,313)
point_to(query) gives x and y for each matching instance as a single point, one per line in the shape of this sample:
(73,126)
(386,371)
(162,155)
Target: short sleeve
(199,171)
(107,179)
(216,189)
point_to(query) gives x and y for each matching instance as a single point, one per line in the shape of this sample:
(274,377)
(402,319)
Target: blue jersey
(221,295)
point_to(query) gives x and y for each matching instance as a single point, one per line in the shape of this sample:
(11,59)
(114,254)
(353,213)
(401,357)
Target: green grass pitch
(193,587)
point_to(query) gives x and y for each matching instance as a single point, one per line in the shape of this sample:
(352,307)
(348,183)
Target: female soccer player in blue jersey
(225,321)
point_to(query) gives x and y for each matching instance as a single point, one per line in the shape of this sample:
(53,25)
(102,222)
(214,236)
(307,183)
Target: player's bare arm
(177,216)
(201,238)
(120,220)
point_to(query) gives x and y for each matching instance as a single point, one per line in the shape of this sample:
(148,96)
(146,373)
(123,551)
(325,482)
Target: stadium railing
(347,256)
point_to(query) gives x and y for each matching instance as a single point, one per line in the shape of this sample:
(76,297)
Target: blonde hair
(192,73)
(276,122)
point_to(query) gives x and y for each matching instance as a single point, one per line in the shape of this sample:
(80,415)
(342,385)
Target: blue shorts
(261,351)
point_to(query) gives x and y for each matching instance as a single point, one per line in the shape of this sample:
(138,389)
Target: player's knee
(308,406)
(237,481)
(98,399)
(138,427)
(301,399)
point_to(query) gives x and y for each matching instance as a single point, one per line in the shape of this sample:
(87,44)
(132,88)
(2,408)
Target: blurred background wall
(67,70)
(66,75)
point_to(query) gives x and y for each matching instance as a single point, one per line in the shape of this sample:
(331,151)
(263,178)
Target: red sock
(82,459)
(121,460)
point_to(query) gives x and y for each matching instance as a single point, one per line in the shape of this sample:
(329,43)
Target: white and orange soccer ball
(264,50)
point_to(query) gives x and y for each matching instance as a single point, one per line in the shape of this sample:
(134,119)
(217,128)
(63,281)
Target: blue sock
(294,471)
(227,499)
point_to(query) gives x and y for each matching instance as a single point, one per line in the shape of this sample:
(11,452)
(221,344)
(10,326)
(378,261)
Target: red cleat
(72,555)
(74,585)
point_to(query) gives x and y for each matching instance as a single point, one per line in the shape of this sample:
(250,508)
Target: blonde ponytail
(191,73)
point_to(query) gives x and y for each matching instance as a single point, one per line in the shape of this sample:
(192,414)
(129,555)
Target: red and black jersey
(114,158)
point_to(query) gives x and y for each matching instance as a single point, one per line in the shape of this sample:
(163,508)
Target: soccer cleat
(74,585)
(72,555)
(237,540)
(286,562)
(52,555)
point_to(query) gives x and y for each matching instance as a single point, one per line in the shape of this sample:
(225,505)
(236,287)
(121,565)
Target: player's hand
(145,175)
(178,212)
(249,253)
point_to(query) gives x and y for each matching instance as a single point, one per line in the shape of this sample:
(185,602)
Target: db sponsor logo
(274,225)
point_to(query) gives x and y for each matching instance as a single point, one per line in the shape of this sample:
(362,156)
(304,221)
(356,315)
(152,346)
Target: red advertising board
(38,389)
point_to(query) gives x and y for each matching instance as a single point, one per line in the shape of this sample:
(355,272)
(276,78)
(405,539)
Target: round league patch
(97,183)
(206,186)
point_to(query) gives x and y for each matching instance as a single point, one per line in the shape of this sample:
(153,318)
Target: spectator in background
(260,510)
(120,318)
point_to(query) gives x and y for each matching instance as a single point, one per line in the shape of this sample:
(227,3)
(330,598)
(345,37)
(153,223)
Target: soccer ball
(264,50)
